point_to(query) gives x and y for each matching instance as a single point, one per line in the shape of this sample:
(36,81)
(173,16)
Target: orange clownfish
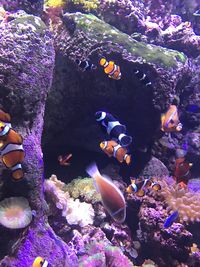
(139,186)
(40,262)
(113,149)
(65,160)
(170,120)
(182,171)
(111,69)
(12,152)
(194,249)
(111,197)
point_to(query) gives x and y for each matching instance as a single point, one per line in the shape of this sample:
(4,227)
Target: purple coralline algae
(26,69)
(70,226)
(31,7)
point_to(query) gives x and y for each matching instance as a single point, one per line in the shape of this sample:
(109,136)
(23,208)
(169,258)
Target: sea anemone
(15,212)
(186,202)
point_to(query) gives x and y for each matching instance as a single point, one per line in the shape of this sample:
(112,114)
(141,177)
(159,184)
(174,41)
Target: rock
(154,168)
(26,70)
(34,7)
(78,95)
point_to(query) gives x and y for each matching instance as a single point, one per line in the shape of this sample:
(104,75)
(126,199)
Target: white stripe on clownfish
(103,115)
(45,264)
(111,125)
(170,118)
(114,69)
(121,136)
(115,150)
(11,147)
(16,167)
(5,130)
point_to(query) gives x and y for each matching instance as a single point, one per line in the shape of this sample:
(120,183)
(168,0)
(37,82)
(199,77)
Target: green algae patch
(25,21)
(99,31)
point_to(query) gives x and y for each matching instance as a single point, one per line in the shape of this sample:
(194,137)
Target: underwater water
(100,133)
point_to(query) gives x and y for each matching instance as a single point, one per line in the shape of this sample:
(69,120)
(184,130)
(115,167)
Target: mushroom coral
(183,200)
(15,212)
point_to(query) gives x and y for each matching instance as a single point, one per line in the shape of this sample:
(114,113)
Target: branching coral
(186,202)
(76,212)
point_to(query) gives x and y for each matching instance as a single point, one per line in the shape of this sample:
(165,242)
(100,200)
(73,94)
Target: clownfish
(170,120)
(142,77)
(113,149)
(12,152)
(194,249)
(65,160)
(111,197)
(182,171)
(85,65)
(40,262)
(113,127)
(111,69)
(171,219)
(139,186)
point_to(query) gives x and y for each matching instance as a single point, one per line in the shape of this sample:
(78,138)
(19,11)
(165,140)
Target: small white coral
(15,212)
(55,188)
(80,213)
(76,212)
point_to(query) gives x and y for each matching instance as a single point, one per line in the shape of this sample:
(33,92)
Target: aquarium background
(137,63)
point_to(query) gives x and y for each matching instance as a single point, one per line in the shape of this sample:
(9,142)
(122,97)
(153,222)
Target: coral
(55,3)
(104,253)
(125,15)
(76,212)
(186,202)
(55,189)
(15,212)
(86,6)
(32,7)
(83,188)
(80,213)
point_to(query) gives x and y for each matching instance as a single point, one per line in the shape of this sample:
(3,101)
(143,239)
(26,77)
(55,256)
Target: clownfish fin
(140,193)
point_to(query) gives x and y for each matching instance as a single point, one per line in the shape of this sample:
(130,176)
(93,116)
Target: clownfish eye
(172,121)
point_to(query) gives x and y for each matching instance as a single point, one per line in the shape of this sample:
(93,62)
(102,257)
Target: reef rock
(78,95)
(32,7)
(26,70)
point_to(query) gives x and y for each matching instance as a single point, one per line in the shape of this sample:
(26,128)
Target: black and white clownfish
(139,186)
(111,69)
(113,127)
(85,65)
(40,262)
(11,148)
(142,77)
(113,149)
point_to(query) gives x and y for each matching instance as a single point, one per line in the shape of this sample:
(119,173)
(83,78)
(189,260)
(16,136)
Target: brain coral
(185,201)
